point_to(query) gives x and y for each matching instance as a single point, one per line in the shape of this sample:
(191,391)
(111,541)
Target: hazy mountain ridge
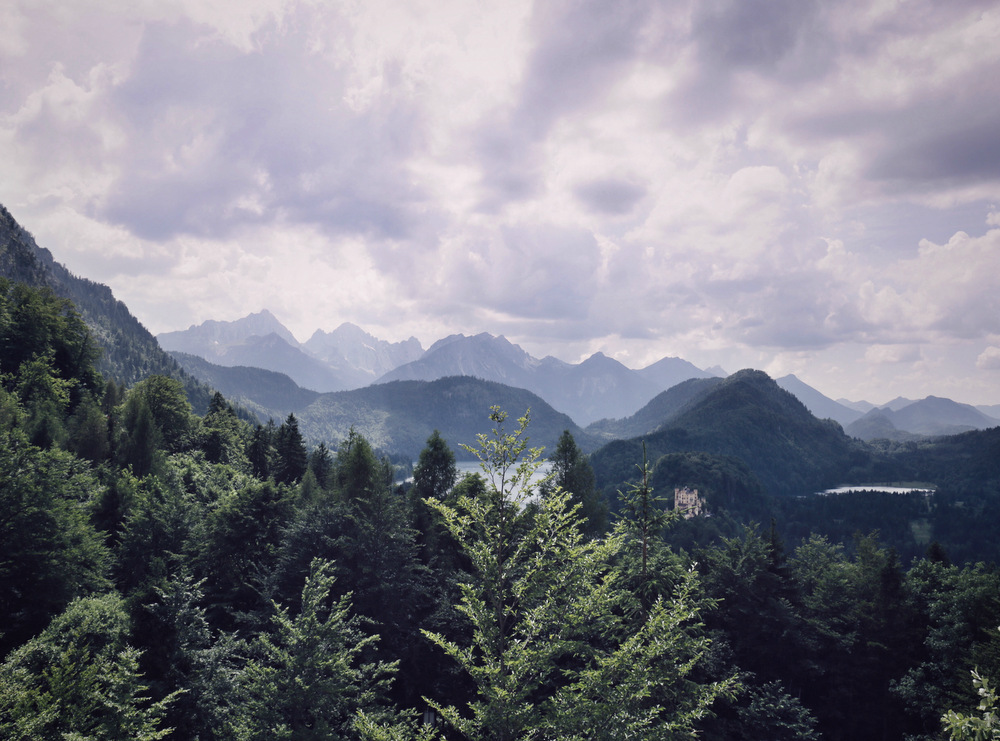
(213,336)
(664,406)
(266,393)
(599,387)
(932,415)
(358,351)
(399,416)
(258,341)
(131,353)
(821,406)
(597,390)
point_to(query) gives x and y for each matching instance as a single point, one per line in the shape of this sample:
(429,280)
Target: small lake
(880,488)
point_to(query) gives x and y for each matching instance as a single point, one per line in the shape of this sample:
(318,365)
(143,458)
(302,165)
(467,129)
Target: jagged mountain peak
(219,334)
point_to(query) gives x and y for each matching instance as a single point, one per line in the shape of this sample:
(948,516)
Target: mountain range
(746,416)
(790,436)
(599,392)
(349,358)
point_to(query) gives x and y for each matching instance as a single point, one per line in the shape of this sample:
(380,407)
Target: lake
(880,488)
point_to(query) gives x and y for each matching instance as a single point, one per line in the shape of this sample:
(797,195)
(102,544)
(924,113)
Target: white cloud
(892,354)
(989,359)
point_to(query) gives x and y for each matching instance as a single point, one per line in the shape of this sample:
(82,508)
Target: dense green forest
(166,574)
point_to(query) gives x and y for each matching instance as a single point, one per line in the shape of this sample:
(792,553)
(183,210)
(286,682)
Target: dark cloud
(610,196)
(782,41)
(734,35)
(966,152)
(221,137)
(581,49)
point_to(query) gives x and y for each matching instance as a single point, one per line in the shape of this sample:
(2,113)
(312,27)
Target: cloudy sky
(802,187)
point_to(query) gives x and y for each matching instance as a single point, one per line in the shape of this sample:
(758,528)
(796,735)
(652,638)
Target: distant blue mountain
(821,406)
(598,388)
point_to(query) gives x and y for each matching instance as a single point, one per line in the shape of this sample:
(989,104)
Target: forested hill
(129,352)
(396,417)
(401,415)
(266,393)
(661,409)
(749,417)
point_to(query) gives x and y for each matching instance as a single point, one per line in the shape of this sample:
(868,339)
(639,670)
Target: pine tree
(291,459)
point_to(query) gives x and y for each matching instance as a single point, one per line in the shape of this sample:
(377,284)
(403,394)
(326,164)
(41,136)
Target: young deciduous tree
(969,727)
(553,653)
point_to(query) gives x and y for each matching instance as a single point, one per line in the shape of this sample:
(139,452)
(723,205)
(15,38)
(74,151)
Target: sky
(796,186)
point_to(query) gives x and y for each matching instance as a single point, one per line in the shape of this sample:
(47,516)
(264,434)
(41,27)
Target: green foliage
(553,653)
(968,727)
(291,459)
(238,547)
(770,712)
(49,551)
(309,678)
(170,409)
(224,436)
(958,609)
(183,659)
(644,516)
(435,472)
(34,324)
(87,431)
(79,679)
(572,472)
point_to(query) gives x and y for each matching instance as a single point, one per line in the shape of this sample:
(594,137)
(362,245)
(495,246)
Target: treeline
(168,575)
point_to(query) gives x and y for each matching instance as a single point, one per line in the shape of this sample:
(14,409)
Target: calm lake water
(880,488)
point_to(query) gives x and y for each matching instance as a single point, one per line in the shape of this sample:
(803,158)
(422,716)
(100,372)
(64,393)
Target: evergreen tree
(321,464)
(433,477)
(291,459)
(572,472)
(435,472)
(260,451)
(87,431)
(238,549)
(49,551)
(644,517)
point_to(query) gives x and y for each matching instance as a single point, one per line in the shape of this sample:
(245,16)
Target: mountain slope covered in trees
(749,417)
(129,352)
